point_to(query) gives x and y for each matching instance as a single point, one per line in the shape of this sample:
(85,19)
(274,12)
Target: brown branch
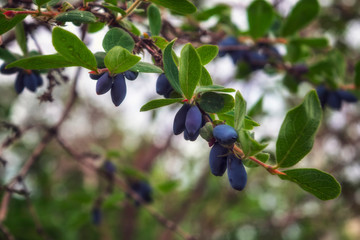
(79,157)
(6,233)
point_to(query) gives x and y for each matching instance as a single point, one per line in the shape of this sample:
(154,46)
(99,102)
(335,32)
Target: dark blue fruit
(19,83)
(39,80)
(347,96)
(322,93)
(104,84)
(227,42)
(30,82)
(237,55)
(96,216)
(333,100)
(179,120)
(163,86)
(144,190)
(95,76)
(193,121)
(118,90)
(109,167)
(130,75)
(225,134)
(236,172)
(217,159)
(7,71)
(194,136)
(256,60)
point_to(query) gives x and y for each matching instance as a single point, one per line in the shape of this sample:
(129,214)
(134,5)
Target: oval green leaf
(322,185)
(297,132)
(154,20)
(157,103)
(179,6)
(207,53)
(42,62)
(146,68)
(6,24)
(76,16)
(118,37)
(212,102)
(170,68)
(119,60)
(260,16)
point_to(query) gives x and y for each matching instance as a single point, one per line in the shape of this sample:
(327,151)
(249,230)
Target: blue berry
(225,134)
(39,80)
(130,75)
(109,167)
(19,83)
(163,86)
(333,100)
(30,82)
(193,121)
(118,90)
(9,71)
(179,120)
(227,42)
(192,137)
(256,60)
(104,84)
(322,93)
(144,190)
(96,216)
(236,172)
(217,159)
(347,96)
(95,76)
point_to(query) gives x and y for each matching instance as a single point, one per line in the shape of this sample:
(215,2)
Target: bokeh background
(141,145)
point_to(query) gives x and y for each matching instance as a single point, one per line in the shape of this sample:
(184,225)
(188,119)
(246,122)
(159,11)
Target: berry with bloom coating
(236,172)
(163,86)
(179,120)
(118,90)
(217,159)
(193,121)
(104,84)
(225,134)
(130,75)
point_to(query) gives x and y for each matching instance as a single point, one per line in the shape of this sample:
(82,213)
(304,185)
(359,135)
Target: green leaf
(297,133)
(168,186)
(119,60)
(73,49)
(311,42)
(301,15)
(179,6)
(205,78)
(190,70)
(8,23)
(207,53)
(322,185)
(357,74)
(157,103)
(76,16)
(6,55)
(260,17)
(263,157)
(170,68)
(218,10)
(115,9)
(239,111)
(216,102)
(249,145)
(256,108)
(249,124)
(213,88)
(160,42)
(146,68)
(118,37)
(100,57)
(206,132)
(154,20)
(95,27)
(42,62)
(21,37)
(41,2)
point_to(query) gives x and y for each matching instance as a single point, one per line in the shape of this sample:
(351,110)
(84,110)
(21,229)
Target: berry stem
(269,168)
(129,10)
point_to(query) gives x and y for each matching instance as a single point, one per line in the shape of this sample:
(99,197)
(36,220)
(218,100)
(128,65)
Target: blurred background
(141,146)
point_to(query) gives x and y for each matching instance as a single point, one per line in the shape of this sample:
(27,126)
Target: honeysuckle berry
(104,83)
(236,172)
(179,120)
(9,71)
(144,190)
(163,86)
(19,83)
(130,75)
(30,82)
(334,98)
(95,76)
(193,121)
(217,159)
(347,96)
(118,90)
(225,134)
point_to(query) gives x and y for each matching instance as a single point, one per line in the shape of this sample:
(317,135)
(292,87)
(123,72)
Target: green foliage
(260,17)
(73,49)
(216,102)
(42,62)
(304,12)
(170,68)
(297,132)
(205,78)
(21,37)
(240,111)
(76,17)
(157,103)
(7,24)
(119,60)
(318,183)
(207,53)
(154,20)
(118,37)
(249,145)
(179,6)
(41,2)
(145,68)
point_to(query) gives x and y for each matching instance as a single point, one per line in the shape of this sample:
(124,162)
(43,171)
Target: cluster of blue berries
(144,190)
(256,57)
(221,157)
(189,120)
(25,78)
(116,83)
(334,98)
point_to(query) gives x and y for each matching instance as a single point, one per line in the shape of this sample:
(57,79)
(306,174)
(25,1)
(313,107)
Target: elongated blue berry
(95,76)
(144,190)
(118,90)
(7,71)
(39,80)
(217,159)
(229,41)
(163,87)
(130,75)
(236,172)
(347,96)
(179,120)
(109,167)
(96,216)
(322,93)
(225,134)
(30,82)
(19,83)
(333,100)
(104,84)
(193,121)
